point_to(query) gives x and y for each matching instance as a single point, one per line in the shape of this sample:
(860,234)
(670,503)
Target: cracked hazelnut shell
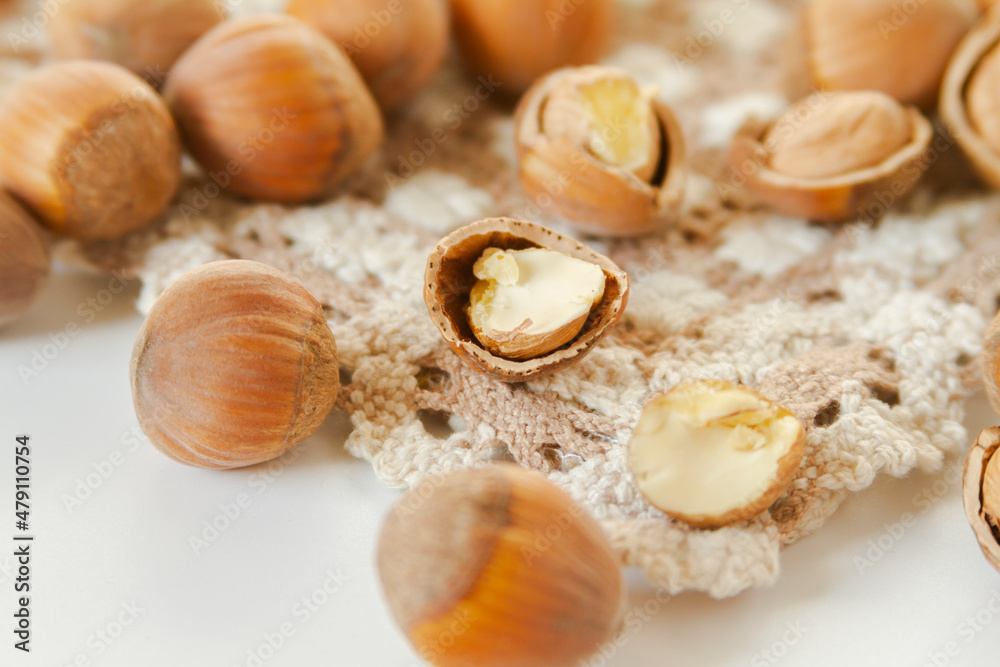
(562,174)
(824,133)
(981,493)
(449,281)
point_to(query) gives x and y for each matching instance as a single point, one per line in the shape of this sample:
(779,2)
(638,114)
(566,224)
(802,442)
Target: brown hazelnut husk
(146,36)
(600,151)
(234,365)
(25,259)
(505,565)
(970,97)
(895,48)
(516,41)
(89,147)
(981,493)
(272,109)
(449,281)
(834,156)
(397,45)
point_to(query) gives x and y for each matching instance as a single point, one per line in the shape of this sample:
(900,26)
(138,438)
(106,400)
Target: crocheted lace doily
(868,333)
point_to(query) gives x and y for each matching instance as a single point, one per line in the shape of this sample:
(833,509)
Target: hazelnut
(146,36)
(24,259)
(90,148)
(464,549)
(274,108)
(234,365)
(711,453)
(607,153)
(970,101)
(396,45)
(981,493)
(517,41)
(488,343)
(832,155)
(880,45)
(529,302)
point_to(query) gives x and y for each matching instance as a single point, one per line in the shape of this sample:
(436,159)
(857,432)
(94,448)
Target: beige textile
(868,332)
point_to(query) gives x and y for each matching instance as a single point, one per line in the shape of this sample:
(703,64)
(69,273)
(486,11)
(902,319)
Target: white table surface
(894,578)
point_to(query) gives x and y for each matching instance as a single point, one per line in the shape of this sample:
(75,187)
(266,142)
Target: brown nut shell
(234,365)
(273,109)
(449,281)
(25,259)
(513,42)
(397,46)
(89,147)
(981,493)
(864,192)
(507,557)
(146,36)
(961,89)
(592,195)
(900,49)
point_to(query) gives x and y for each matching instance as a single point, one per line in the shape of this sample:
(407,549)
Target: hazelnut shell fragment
(449,281)
(981,493)
(960,90)
(592,195)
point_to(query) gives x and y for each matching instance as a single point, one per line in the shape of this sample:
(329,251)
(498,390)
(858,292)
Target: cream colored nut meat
(611,117)
(711,453)
(529,302)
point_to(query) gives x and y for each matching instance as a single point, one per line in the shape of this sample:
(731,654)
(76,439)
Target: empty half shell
(449,281)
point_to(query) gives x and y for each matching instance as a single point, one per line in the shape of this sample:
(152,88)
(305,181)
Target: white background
(895,578)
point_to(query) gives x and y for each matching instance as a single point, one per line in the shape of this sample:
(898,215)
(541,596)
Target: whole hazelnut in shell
(397,45)
(272,109)
(514,42)
(234,365)
(146,36)
(89,147)
(507,557)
